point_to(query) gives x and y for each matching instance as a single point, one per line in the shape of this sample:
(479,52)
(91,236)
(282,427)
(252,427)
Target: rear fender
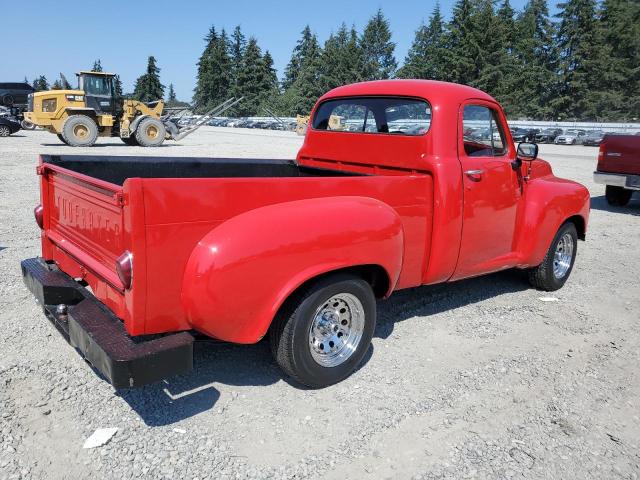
(242,271)
(549,202)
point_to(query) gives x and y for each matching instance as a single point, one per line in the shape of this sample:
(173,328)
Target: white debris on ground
(477,379)
(100,437)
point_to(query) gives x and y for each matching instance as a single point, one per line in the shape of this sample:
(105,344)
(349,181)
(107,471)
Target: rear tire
(617,196)
(79,131)
(131,141)
(321,335)
(150,132)
(4,131)
(557,265)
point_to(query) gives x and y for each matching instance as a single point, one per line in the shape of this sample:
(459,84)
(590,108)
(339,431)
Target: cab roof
(89,72)
(428,89)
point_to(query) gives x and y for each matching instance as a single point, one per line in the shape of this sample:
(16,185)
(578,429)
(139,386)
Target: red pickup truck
(619,167)
(395,191)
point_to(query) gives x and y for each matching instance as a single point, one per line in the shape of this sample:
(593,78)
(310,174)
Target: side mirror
(527,151)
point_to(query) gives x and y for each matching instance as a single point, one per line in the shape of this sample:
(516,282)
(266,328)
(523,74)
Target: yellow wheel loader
(79,117)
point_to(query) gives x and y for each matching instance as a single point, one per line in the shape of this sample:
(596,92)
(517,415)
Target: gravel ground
(477,379)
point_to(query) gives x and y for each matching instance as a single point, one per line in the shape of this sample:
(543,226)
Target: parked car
(14,93)
(619,167)
(593,138)
(571,136)
(548,135)
(8,126)
(524,134)
(237,249)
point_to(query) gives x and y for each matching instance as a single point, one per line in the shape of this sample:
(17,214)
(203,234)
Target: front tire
(79,131)
(321,335)
(617,196)
(4,131)
(557,265)
(150,132)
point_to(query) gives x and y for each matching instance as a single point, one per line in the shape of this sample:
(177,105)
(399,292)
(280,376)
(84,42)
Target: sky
(64,36)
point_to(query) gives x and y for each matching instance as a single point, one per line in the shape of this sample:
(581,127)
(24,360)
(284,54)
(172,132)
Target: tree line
(581,64)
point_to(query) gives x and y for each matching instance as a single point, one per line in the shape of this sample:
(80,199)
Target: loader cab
(99,91)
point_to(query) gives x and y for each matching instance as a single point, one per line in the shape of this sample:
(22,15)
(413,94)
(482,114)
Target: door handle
(473,172)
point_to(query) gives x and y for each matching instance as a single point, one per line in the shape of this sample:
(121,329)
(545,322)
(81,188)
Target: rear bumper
(100,336)
(630,182)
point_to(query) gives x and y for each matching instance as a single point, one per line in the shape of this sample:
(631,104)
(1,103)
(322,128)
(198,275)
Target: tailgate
(85,231)
(620,154)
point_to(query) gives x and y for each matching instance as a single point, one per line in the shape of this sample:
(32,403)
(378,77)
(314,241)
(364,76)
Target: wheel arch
(271,264)
(580,224)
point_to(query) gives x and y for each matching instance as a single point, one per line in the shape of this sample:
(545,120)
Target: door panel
(491,191)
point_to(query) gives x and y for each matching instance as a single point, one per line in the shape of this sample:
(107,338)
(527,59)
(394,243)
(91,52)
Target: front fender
(549,202)
(242,271)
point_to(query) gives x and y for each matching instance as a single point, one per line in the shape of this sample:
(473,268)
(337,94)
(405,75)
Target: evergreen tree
(493,35)
(583,60)
(148,87)
(117,87)
(620,29)
(41,84)
(26,80)
(97,66)
(534,82)
(377,48)
(213,79)
(305,71)
(424,59)
(341,58)
(306,51)
(171,96)
(236,53)
(56,85)
(461,47)
(257,81)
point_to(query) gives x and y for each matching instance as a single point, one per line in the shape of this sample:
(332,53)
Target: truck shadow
(632,208)
(431,299)
(185,396)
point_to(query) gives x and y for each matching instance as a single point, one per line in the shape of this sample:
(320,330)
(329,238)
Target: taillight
(38,212)
(124,268)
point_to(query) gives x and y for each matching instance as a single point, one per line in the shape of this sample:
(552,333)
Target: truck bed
(158,209)
(116,169)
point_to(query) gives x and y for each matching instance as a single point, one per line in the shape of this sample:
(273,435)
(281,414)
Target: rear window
(389,115)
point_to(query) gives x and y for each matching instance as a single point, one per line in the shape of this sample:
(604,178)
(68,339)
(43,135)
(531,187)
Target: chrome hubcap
(336,330)
(562,256)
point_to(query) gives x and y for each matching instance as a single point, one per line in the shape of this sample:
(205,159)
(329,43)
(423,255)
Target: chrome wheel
(4,131)
(336,329)
(563,256)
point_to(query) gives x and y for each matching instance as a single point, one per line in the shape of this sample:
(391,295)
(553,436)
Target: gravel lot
(477,379)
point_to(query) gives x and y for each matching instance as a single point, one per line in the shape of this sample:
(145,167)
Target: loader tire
(79,131)
(150,132)
(61,138)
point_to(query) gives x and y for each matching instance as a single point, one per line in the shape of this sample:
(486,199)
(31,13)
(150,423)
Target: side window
(483,134)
